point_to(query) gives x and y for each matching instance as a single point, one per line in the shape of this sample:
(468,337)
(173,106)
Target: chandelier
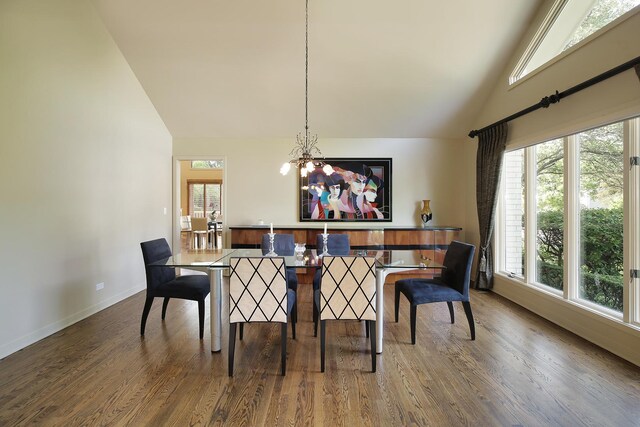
(306,148)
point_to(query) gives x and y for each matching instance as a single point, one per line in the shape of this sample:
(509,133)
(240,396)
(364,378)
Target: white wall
(614,99)
(422,169)
(85,170)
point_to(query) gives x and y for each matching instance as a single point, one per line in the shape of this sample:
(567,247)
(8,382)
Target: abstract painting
(357,190)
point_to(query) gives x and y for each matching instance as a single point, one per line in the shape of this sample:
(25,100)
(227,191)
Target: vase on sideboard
(425,213)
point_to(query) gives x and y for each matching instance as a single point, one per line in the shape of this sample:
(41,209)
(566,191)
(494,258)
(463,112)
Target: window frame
(632,223)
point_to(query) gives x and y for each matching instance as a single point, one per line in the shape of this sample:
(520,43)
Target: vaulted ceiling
(377,68)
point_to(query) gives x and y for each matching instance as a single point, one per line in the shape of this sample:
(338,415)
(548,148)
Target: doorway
(199,192)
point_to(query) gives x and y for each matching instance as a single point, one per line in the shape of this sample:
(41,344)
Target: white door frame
(176,241)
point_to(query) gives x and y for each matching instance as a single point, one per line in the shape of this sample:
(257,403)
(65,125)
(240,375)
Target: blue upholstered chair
(452,285)
(163,283)
(258,292)
(347,292)
(283,245)
(337,244)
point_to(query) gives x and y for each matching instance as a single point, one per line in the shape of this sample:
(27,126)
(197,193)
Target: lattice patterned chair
(337,244)
(258,293)
(283,245)
(347,292)
(453,285)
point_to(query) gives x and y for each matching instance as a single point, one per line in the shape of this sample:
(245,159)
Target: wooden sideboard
(433,240)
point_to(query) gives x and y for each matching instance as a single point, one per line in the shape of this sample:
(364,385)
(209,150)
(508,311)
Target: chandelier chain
(306,68)
(305,149)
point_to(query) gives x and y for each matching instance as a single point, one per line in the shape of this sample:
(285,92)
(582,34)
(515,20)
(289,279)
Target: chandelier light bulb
(327,169)
(303,172)
(285,168)
(310,166)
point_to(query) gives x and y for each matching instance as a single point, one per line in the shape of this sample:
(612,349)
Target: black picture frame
(358,190)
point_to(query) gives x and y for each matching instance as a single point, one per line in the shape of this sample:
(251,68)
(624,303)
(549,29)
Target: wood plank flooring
(521,370)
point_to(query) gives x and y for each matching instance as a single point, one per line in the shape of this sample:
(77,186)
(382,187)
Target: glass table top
(388,259)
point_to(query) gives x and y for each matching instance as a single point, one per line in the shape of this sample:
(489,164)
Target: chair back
(337,244)
(348,288)
(199,224)
(283,244)
(458,261)
(152,251)
(185,223)
(257,290)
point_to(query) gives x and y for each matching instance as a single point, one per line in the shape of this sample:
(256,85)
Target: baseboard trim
(35,336)
(611,334)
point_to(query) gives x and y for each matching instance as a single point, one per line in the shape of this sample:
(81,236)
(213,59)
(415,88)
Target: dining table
(215,263)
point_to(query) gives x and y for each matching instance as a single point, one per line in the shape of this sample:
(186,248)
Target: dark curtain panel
(491,145)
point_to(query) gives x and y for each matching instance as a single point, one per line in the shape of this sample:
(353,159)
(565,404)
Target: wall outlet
(100,286)
(164,211)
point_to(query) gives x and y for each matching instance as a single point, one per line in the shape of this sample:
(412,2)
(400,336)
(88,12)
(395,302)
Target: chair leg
(315,320)
(165,303)
(283,348)
(467,311)
(200,317)
(372,326)
(241,330)
(397,301)
(145,314)
(294,312)
(413,323)
(232,346)
(366,327)
(323,327)
(450,304)
(293,329)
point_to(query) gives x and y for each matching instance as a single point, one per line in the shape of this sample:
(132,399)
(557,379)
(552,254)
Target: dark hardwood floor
(521,370)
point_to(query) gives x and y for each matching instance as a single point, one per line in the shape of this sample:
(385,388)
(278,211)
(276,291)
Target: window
(602,13)
(204,198)
(567,23)
(207,164)
(601,216)
(513,213)
(581,219)
(549,196)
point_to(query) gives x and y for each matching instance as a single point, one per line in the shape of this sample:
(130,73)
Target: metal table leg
(381,275)
(215,311)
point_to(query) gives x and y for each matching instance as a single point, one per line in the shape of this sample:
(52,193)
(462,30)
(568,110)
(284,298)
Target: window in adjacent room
(207,164)
(204,198)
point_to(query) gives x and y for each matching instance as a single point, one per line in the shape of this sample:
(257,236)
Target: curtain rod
(557,96)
